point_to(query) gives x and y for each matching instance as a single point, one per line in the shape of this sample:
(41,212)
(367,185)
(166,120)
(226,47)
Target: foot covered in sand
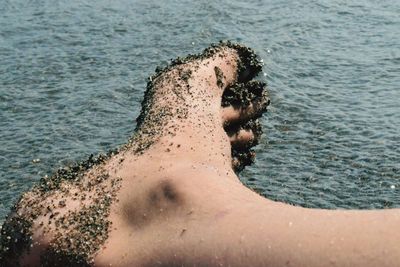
(199,116)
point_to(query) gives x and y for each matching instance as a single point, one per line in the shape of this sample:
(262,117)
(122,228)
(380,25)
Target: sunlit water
(72,76)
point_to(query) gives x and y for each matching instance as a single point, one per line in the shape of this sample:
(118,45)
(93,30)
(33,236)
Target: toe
(242,159)
(236,165)
(244,101)
(219,69)
(249,63)
(243,138)
(236,114)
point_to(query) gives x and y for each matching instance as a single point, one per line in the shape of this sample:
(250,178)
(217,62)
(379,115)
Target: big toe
(227,63)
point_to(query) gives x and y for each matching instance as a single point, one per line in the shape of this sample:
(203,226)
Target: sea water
(73,73)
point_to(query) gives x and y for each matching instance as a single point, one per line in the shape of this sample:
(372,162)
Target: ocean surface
(73,73)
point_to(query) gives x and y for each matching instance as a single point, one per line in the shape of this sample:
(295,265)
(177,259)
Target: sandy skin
(171,197)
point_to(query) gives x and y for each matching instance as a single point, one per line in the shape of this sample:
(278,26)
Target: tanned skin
(179,201)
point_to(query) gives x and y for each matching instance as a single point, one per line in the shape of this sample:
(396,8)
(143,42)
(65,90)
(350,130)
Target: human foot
(182,126)
(194,96)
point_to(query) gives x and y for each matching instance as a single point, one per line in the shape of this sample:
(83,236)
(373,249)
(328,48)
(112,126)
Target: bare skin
(179,202)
